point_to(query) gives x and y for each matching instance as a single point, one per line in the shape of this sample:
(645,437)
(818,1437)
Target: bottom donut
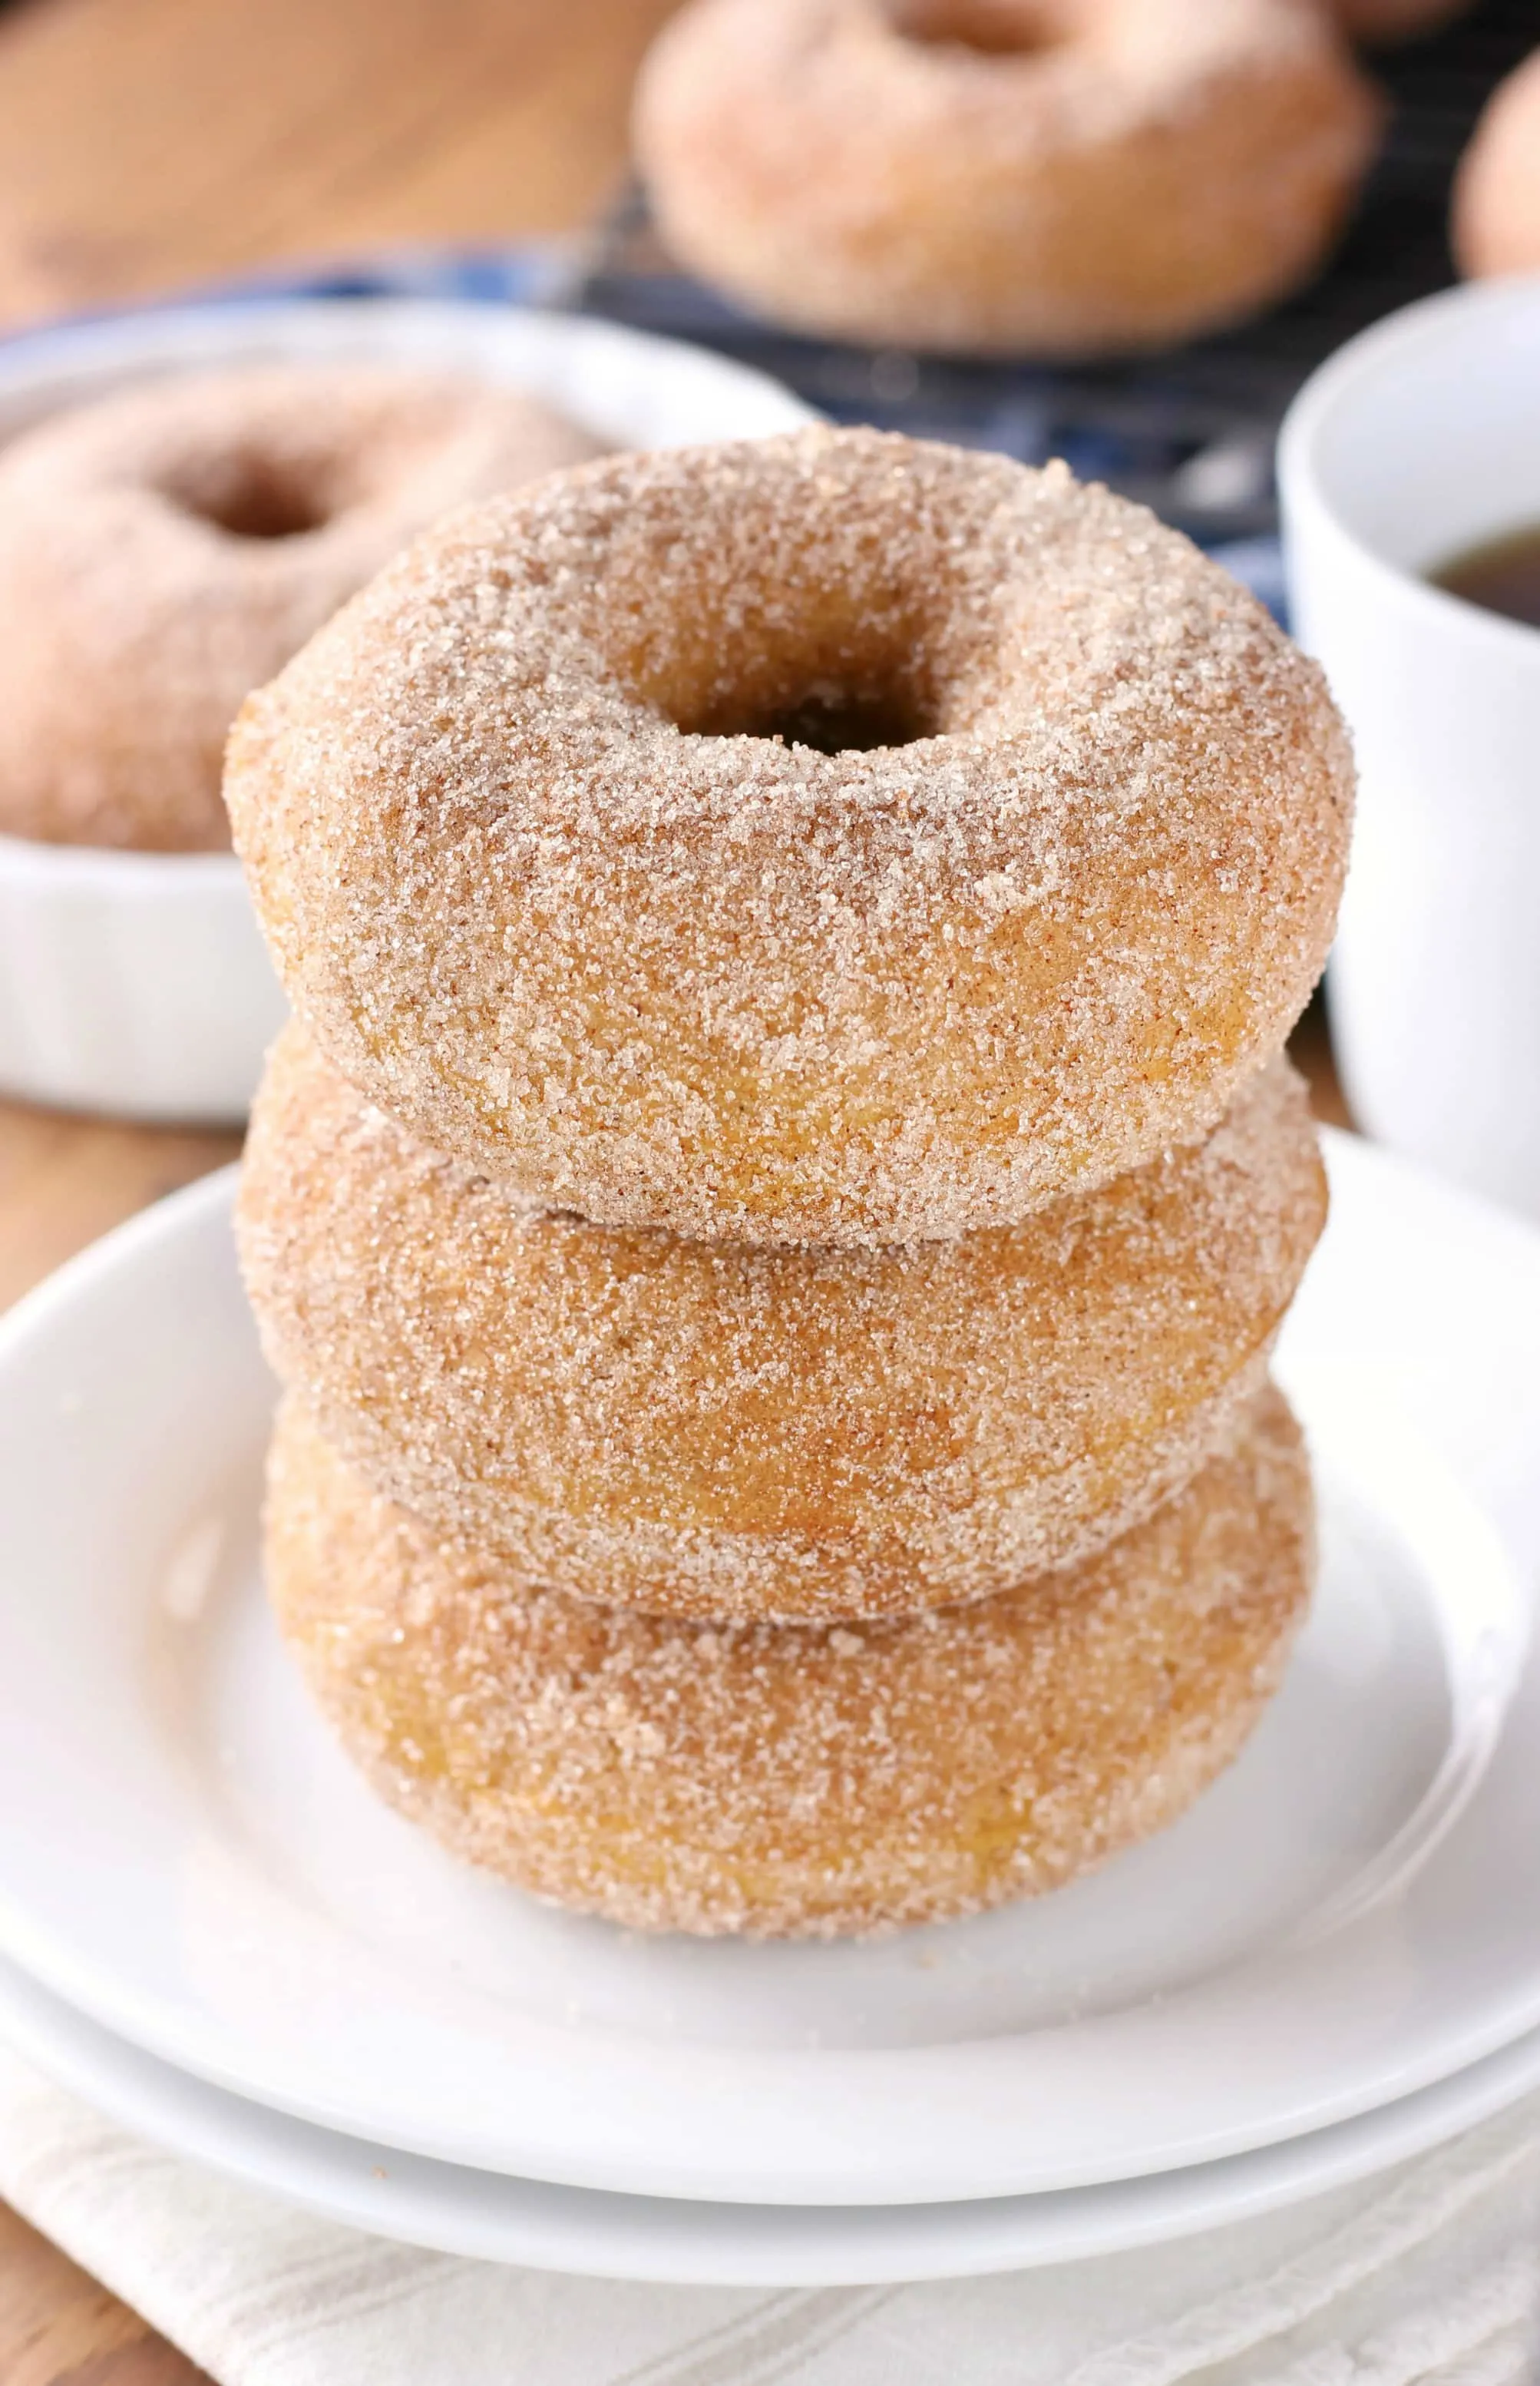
(795,1780)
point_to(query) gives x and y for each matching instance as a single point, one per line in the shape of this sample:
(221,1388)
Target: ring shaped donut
(794,1780)
(712,1429)
(165,550)
(834,838)
(1049,177)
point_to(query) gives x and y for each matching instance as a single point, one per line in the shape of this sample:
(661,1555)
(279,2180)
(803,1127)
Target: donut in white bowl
(133,979)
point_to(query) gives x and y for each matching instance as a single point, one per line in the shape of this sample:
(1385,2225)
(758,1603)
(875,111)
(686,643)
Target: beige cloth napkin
(1428,2276)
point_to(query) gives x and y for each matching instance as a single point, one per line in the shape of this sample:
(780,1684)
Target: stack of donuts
(774,1208)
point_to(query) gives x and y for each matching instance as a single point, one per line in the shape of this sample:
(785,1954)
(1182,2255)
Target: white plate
(137,984)
(1352,1914)
(489,2217)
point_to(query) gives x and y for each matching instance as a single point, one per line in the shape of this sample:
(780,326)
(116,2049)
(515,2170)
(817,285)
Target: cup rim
(1368,353)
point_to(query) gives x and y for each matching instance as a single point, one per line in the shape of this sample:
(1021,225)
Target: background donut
(829,838)
(164,551)
(790,1781)
(714,1429)
(1044,177)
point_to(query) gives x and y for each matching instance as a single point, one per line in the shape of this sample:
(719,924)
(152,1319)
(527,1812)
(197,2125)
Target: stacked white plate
(209,1927)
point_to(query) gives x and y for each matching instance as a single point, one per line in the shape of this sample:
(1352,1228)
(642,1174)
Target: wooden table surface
(147,143)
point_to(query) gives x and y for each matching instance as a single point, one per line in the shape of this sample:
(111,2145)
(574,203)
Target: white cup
(1417,440)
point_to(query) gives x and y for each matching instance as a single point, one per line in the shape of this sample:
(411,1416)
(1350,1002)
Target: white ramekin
(137,985)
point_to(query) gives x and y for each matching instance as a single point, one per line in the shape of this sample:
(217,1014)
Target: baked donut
(712,1429)
(794,1780)
(1497,204)
(166,549)
(830,838)
(1048,177)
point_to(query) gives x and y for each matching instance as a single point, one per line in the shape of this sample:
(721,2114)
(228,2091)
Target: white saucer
(489,2217)
(1353,1914)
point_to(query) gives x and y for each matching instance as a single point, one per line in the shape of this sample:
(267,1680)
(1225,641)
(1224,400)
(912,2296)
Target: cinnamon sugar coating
(795,1780)
(1050,177)
(166,549)
(718,1430)
(555,871)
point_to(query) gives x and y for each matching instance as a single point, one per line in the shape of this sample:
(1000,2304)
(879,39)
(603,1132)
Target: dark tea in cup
(1502,574)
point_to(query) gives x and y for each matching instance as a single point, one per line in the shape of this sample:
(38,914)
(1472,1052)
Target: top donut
(831,839)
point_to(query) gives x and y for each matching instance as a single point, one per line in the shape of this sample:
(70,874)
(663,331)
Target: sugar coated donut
(828,838)
(1056,177)
(713,1429)
(166,549)
(1497,204)
(794,1780)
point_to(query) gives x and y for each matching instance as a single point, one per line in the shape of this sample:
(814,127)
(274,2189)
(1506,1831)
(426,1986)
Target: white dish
(185,1856)
(133,983)
(489,2217)
(137,984)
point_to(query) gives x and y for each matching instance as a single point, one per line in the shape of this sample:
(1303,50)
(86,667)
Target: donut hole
(836,720)
(995,28)
(835,712)
(251,498)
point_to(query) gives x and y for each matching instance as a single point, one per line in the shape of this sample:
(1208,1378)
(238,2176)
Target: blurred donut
(1497,204)
(166,549)
(1050,177)
(832,838)
(794,1780)
(714,1429)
